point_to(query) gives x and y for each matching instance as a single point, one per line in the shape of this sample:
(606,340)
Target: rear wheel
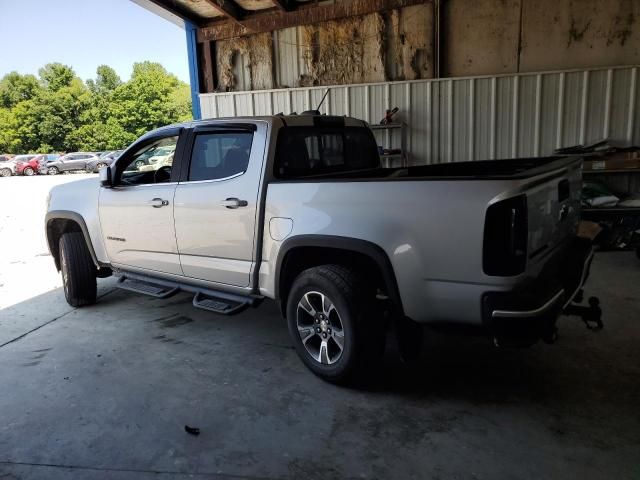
(28,171)
(5,172)
(78,270)
(53,170)
(333,322)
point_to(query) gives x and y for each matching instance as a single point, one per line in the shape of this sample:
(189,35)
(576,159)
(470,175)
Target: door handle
(234,203)
(158,202)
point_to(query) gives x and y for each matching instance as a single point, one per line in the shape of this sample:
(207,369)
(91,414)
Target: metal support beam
(194,80)
(304,15)
(228,8)
(437,38)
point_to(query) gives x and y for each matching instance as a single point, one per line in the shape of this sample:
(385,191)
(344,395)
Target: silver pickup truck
(298,209)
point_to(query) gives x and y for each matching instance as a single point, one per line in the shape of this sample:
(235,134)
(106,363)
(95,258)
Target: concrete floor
(105,391)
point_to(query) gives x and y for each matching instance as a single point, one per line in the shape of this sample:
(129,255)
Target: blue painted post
(192,54)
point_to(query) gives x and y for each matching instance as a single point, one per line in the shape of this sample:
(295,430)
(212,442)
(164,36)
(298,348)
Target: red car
(28,164)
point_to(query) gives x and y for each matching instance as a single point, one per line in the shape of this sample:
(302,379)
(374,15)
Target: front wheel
(333,322)
(28,171)
(78,270)
(5,172)
(53,170)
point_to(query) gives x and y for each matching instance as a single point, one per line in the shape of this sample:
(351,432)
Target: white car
(7,166)
(298,209)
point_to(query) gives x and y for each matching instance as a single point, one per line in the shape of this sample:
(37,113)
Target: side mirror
(105,177)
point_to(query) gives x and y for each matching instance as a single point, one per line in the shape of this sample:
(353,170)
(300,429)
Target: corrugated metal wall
(471,118)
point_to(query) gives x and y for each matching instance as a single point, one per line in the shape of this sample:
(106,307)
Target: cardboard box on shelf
(588,230)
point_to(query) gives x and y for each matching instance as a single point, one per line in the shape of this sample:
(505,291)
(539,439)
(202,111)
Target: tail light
(505,237)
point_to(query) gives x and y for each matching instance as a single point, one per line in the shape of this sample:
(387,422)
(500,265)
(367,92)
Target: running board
(224,303)
(217,304)
(146,288)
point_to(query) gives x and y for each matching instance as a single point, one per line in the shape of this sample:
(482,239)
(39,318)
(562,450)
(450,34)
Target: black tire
(78,270)
(354,314)
(5,172)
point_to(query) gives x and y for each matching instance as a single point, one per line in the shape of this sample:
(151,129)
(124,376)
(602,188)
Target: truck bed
(518,168)
(433,223)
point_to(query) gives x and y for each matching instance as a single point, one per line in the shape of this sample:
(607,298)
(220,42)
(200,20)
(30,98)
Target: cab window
(220,155)
(151,163)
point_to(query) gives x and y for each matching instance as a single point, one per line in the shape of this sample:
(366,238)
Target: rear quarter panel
(432,232)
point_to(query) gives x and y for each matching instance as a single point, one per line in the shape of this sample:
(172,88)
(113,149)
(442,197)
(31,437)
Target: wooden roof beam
(176,10)
(229,9)
(304,15)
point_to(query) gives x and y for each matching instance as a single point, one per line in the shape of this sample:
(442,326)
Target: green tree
(60,112)
(106,80)
(149,100)
(15,88)
(54,76)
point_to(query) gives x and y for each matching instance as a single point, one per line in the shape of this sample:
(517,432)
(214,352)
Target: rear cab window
(303,152)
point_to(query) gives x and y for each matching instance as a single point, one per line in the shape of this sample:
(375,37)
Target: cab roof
(302,120)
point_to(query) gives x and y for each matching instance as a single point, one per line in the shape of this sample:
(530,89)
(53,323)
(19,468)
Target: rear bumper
(531,311)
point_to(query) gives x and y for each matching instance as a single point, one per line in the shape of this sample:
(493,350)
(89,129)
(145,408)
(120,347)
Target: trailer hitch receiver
(591,315)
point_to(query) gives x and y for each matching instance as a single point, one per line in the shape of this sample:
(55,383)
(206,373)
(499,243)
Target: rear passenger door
(216,203)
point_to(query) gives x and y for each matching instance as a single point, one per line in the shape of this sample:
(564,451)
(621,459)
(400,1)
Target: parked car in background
(7,166)
(106,159)
(68,163)
(20,160)
(50,157)
(28,166)
(162,154)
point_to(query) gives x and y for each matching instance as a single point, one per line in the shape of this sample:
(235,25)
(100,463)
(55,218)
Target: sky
(85,34)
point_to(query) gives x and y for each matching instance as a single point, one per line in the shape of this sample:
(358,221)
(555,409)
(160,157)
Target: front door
(215,205)
(136,215)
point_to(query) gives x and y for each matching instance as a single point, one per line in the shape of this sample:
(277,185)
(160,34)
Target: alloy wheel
(320,327)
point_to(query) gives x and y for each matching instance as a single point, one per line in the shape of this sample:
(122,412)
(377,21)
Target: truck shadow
(583,368)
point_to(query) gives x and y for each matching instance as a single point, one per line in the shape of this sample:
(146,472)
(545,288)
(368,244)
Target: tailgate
(553,209)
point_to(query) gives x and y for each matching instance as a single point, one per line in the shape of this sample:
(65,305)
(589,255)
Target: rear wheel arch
(306,251)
